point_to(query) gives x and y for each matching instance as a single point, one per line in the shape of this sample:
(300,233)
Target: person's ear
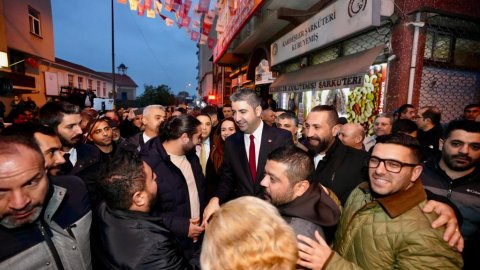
(258,111)
(300,188)
(417,170)
(336,129)
(440,144)
(139,198)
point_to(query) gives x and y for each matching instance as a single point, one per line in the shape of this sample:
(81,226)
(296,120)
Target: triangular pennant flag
(203,39)
(163,16)
(141,9)
(158,6)
(133,4)
(203,6)
(178,2)
(196,24)
(169,22)
(211,42)
(151,13)
(194,36)
(148,4)
(122,2)
(186,7)
(168,5)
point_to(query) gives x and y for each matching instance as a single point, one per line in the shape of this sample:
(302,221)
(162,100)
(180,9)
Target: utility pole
(113,55)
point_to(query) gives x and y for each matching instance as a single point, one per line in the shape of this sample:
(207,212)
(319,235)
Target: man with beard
(456,176)
(246,151)
(153,117)
(100,135)
(304,205)
(44,222)
(46,139)
(338,167)
(181,185)
(126,236)
(82,160)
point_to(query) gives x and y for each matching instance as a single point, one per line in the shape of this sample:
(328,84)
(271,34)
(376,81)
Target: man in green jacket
(383,225)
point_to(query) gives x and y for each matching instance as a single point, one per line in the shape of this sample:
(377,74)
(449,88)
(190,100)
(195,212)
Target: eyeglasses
(392,166)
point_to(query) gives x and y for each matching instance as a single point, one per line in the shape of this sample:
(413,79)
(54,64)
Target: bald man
(352,135)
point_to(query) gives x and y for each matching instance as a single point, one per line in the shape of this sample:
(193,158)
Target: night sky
(154,53)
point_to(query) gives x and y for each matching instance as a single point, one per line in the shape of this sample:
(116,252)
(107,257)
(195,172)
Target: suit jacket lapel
(265,148)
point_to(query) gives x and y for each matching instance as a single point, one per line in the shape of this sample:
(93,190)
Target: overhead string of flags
(197,26)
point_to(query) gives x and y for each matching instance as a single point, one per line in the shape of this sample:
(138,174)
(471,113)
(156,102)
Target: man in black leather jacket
(126,235)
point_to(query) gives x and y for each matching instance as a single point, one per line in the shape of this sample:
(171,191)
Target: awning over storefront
(343,72)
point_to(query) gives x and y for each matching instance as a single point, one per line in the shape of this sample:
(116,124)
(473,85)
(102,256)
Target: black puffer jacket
(135,240)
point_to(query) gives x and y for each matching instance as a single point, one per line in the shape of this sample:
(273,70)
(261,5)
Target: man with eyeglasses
(383,225)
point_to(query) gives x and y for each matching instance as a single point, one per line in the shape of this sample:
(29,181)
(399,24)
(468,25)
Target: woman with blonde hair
(248,233)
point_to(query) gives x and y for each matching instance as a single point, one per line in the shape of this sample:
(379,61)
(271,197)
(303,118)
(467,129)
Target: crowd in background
(172,188)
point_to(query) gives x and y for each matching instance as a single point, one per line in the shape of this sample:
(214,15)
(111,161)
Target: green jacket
(390,233)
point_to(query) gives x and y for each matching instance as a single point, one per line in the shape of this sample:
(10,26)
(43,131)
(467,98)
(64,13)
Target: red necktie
(251,160)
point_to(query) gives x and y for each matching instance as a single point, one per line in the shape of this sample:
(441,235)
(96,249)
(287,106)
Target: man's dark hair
(404,108)
(51,114)
(404,126)
(299,164)
(175,127)
(209,109)
(473,105)
(121,177)
(181,110)
(465,125)
(246,95)
(432,113)
(204,114)
(289,116)
(331,110)
(403,140)
(227,105)
(28,130)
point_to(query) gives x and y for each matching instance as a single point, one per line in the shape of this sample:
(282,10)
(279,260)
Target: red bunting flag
(209,17)
(196,12)
(168,5)
(122,2)
(206,28)
(194,36)
(141,9)
(203,6)
(148,4)
(186,21)
(32,62)
(211,42)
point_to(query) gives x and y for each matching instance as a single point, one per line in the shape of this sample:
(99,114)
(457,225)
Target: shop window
(467,53)
(34,21)
(441,48)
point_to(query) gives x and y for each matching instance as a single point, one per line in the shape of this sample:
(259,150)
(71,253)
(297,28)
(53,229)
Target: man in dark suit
(246,151)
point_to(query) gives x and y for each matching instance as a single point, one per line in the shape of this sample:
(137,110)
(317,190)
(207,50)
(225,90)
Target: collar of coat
(400,202)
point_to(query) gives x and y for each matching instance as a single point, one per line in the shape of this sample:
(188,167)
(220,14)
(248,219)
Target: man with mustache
(44,221)
(456,176)
(82,160)
(338,167)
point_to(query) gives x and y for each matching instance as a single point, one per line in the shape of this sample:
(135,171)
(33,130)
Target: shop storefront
(352,79)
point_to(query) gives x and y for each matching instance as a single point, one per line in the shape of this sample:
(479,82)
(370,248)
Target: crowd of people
(241,187)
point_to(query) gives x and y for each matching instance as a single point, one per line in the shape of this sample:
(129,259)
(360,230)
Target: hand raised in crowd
(212,206)
(446,216)
(313,254)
